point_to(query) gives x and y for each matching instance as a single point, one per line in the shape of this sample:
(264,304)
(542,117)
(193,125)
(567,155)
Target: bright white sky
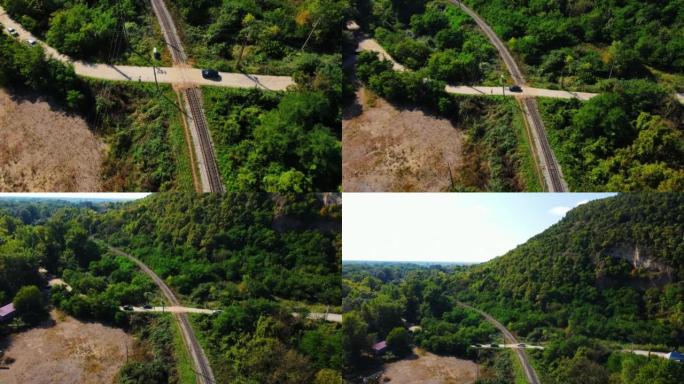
(79,195)
(453,227)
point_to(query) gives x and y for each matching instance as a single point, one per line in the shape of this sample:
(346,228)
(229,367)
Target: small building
(675,356)
(7,312)
(380,348)
(415,328)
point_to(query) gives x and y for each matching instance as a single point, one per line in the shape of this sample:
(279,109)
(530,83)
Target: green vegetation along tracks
(530,373)
(204,149)
(546,160)
(202,368)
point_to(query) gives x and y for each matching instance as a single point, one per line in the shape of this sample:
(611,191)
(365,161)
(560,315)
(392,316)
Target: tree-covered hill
(198,240)
(611,271)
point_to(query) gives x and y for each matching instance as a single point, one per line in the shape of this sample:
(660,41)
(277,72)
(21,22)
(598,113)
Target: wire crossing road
(546,160)
(200,362)
(530,373)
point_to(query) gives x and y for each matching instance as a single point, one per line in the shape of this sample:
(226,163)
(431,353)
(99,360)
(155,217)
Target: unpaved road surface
(182,77)
(526,91)
(172,309)
(387,149)
(68,352)
(372,45)
(429,368)
(46,150)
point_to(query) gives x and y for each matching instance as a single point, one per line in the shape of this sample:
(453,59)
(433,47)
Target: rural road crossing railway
(197,121)
(200,362)
(546,160)
(185,80)
(530,373)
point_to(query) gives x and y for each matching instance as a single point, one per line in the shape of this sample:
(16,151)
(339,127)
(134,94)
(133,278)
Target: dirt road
(172,309)
(369,44)
(184,77)
(530,373)
(201,365)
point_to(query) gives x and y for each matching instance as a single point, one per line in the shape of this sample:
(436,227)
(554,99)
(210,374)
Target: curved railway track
(546,160)
(211,179)
(528,369)
(202,368)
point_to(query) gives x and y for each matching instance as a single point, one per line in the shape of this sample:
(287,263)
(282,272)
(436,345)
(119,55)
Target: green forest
(609,276)
(576,43)
(266,37)
(257,258)
(629,138)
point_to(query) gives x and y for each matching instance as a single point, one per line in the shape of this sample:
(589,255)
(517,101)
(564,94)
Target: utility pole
(503,91)
(311,33)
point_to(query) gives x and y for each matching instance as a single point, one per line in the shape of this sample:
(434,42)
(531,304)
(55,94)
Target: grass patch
(518,372)
(186,375)
(527,170)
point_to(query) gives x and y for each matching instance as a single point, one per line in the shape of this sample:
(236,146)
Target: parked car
(12,32)
(521,345)
(210,74)
(128,308)
(147,306)
(31,42)
(515,88)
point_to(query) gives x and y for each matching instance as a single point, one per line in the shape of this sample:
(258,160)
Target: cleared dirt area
(68,352)
(427,368)
(387,149)
(45,150)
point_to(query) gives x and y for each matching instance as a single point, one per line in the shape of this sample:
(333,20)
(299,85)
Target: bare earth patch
(69,352)
(43,150)
(429,368)
(387,149)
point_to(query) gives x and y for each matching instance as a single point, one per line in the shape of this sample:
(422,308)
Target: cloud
(559,211)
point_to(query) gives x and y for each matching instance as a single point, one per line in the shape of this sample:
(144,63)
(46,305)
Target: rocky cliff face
(640,258)
(647,271)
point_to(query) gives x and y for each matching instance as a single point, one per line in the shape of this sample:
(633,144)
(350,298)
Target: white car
(12,32)
(31,41)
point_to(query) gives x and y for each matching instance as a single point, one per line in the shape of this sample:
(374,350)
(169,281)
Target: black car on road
(211,74)
(515,88)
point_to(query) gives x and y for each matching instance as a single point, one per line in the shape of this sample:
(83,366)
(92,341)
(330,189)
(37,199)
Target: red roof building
(380,347)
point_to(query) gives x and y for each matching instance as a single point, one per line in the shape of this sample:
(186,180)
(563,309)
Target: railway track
(528,369)
(202,369)
(546,161)
(197,121)
(553,178)
(194,98)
